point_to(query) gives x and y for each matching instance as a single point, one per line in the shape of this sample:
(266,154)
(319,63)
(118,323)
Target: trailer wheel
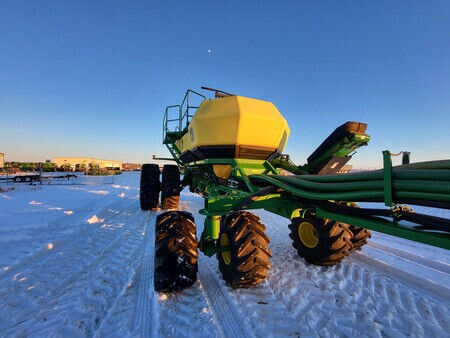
(360,235)
(247,262)
(27,179)
(170,194)
(18,179)
(176,252)
(149,186)
(319,241)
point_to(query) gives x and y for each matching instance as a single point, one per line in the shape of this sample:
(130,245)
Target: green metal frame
(221,200)
(388,227)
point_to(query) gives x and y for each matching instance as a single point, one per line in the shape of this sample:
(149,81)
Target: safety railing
(177,117)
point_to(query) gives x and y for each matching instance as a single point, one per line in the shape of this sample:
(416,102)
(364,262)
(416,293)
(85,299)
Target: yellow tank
(234,127)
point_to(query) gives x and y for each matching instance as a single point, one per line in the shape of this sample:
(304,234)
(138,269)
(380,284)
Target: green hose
(433,165)
(426,183)
(410,185)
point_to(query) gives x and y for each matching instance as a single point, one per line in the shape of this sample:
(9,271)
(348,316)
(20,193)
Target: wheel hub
(308,234)
(226,255)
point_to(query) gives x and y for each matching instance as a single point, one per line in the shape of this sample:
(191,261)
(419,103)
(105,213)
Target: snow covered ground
(77,260)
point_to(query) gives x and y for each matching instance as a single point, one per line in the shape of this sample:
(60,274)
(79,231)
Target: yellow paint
(237,120)
(226,255)
(308,234)
(222,170)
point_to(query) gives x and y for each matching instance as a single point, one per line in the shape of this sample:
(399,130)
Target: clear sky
(92,78)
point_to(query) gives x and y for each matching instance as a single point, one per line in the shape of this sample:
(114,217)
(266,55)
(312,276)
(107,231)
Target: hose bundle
(424,183)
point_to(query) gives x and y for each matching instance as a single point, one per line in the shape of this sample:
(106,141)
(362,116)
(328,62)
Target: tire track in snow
(92,250)
(430,264)
(406,267)
(146,317)
(226,315)
(56,233)
(353,298)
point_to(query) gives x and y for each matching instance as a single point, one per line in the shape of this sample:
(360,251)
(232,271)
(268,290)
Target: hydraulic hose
(425,183)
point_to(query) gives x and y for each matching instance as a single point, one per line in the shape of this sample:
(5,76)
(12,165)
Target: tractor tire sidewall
(176,253)
(149,186)
(333,241)
(249,252)
(171,187)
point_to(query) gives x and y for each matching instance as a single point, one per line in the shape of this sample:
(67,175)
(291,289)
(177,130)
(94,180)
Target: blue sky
(92,78)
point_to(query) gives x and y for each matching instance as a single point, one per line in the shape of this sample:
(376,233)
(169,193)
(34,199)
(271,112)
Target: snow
(77,260)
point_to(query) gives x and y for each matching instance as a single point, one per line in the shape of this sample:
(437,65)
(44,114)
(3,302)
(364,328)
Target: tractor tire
(247,262)
(320,241)
(149,186)
(176,253)
(171,187)
(360,236)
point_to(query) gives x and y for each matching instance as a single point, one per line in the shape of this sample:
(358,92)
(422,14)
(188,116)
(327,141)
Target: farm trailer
(230,151)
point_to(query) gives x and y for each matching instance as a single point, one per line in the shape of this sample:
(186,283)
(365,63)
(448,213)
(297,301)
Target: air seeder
(230,152)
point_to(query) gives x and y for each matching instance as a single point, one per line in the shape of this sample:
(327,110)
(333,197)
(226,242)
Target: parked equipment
(230,152)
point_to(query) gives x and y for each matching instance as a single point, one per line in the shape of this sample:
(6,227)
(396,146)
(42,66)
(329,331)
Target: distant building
(86,163)
(131,166)
(2,158)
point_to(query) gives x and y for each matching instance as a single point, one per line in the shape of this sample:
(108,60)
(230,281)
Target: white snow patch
(95,219)
(99,192)
(61,277)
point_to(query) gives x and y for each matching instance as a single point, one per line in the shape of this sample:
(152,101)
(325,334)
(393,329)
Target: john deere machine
(229,150)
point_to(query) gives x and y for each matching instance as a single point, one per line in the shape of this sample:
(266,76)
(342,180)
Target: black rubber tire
(246,264)
(360,235)
(171,187)
(330,244)
(149,186)
(176,253)
(18,179)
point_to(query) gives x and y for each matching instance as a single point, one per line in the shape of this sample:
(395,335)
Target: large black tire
(176,252)
(360,235)
(171,187)
(149,186)
(319,241)
(246,264)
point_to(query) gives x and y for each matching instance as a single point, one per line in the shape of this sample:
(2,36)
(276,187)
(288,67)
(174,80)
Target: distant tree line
(47,166)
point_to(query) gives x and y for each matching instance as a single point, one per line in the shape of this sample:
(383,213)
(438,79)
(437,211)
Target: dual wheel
(150,186)
(323,241)
(243,260)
